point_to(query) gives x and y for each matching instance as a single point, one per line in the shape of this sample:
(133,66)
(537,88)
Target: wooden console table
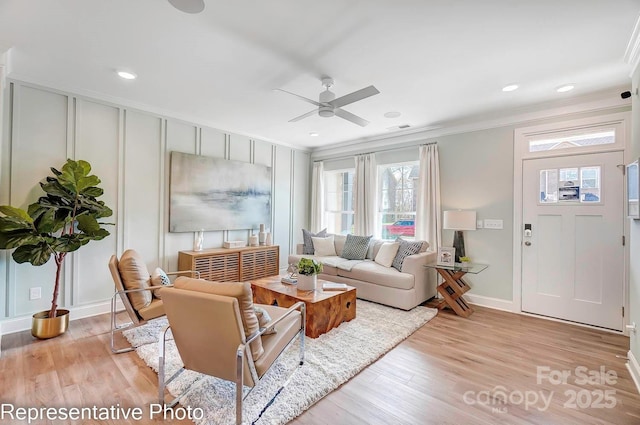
(232,264)
(453,286)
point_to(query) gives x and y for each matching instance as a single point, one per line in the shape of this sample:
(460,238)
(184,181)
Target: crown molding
(632,54)
(598,101)
(138,106)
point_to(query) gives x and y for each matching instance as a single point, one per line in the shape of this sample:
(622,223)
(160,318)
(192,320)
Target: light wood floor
(422,381)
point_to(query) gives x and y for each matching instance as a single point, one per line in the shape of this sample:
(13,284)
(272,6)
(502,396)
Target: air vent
(398,127)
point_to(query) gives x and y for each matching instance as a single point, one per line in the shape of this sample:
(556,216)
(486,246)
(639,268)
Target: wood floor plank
(422,381)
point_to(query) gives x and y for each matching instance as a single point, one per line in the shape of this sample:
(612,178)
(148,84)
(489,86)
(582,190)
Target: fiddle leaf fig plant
(60,222)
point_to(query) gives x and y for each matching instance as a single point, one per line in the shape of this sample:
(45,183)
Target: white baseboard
(634,369)
(495,303)
(23,323)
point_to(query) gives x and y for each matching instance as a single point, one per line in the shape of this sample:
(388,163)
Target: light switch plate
(35,293)
(479,224)
(493,224)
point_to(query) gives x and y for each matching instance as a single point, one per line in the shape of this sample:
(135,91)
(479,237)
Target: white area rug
(330,360)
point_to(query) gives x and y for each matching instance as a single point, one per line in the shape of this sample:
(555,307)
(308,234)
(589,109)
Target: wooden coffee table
(325,309)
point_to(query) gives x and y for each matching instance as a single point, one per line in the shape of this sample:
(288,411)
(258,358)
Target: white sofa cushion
(370,271)
(387,253)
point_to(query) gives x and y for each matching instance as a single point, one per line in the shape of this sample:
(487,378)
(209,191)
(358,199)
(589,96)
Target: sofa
(403,289)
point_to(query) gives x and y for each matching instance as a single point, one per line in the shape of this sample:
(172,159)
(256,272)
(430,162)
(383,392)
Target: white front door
(573,257)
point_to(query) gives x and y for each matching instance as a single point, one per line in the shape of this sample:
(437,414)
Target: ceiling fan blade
(308,114)
(311,101)
(354,97)
(350,117)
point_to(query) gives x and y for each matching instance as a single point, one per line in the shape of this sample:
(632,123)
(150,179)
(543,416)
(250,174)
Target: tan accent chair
(139,317)
(209,334)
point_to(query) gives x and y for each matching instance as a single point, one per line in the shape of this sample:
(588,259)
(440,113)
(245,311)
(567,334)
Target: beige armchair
(133,286)
(216,332)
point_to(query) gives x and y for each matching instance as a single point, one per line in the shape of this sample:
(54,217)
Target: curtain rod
(378,151)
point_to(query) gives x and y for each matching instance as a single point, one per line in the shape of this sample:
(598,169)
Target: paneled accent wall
(129,150)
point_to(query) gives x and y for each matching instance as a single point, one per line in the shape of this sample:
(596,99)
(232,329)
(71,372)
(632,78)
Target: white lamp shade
(459,220)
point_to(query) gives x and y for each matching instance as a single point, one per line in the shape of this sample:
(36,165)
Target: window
(397,199)
(338,203)
(573,141)
(579,185)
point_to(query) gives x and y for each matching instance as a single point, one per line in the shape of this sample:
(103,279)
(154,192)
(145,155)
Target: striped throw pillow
(406,249)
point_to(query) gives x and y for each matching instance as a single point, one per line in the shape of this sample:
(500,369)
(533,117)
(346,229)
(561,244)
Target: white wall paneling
(39,141)
(301,188)
(180,137)
(282,202)
(141,185)
(130,151)
(97,140)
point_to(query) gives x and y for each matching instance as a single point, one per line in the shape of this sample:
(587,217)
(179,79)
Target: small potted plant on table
(308,270)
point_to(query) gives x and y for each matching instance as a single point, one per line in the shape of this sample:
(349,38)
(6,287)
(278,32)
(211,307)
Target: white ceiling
(435,61)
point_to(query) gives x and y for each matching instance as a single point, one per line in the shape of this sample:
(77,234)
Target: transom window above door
(573,141)
(579,185)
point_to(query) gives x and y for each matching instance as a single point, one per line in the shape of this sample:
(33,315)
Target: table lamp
(459,220)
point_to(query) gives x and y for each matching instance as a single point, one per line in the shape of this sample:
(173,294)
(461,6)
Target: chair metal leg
(117,328)
(303,331)
(239,383)
(162,383)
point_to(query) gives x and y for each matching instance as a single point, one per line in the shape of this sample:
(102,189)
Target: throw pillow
(307,248)
(339,241)
(159,278)
(242,292)
(356,247)
(406,249)
(324,247)
(387,253)
(135,275)
(263,319)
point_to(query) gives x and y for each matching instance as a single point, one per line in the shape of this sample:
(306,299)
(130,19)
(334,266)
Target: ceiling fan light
(188,6)
(326,111)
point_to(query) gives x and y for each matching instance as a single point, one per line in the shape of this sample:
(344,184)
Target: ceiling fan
(329,106)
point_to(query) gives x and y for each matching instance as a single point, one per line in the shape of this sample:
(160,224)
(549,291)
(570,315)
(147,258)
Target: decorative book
(332,286)
(289,281)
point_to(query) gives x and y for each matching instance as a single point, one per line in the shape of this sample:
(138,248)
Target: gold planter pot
(43,327)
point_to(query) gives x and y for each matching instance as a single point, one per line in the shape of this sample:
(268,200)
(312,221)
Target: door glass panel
(570,185)
(590,184)
(548,186)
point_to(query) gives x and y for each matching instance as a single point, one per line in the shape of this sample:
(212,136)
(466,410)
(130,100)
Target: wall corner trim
(632,54)
(634,369)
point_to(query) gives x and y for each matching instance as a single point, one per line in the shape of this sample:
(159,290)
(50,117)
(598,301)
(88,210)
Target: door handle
(527,243)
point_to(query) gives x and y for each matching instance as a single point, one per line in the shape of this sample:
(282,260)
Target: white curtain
(428,210)
(317,197)
(365,191)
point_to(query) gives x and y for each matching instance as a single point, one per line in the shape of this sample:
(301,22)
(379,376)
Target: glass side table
(454,286)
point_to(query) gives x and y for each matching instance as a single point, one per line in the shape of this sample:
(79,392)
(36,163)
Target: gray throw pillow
(307,248)
(406,249)
(356,247)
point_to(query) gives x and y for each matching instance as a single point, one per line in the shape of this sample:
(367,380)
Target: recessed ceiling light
(565,88)
(510,87)
(313,134)
(127,75)
(392,114)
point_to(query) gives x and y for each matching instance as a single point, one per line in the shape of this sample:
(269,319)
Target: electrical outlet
(479,224)
(35,293)
(493,224)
